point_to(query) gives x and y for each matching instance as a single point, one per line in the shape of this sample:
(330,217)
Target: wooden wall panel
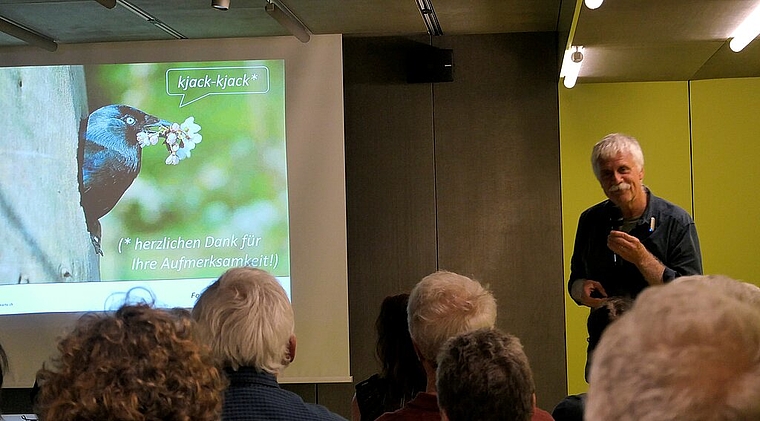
(389,185)
(498,188)
(461,175)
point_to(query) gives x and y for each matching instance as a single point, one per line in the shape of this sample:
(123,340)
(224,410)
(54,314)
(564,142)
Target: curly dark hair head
(400,365)
(601,317)
(137,364)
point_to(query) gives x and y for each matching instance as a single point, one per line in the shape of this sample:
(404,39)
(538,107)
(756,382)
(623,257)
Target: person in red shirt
(441,306)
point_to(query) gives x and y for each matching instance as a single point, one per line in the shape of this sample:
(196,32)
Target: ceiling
(651,40)
(624,40)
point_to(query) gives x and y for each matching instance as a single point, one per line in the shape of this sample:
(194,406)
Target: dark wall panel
(389,184)
(462,175)
(498,189)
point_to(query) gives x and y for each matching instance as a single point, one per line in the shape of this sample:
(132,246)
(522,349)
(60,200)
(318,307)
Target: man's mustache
(621,186)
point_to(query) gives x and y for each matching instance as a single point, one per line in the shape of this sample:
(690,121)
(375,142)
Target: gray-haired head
(445,304)
(611,146)
(687,350)
(247,320)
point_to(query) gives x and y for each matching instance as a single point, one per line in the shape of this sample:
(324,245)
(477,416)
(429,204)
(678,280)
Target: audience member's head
(742,291)
(246,318)
(401,374)
(400,366)
(610,310)
(601,317)
(137,364)
(443,305)
(485,376)
(571,407)
(688,350)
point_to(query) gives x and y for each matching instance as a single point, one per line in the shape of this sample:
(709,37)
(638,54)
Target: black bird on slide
(109,159)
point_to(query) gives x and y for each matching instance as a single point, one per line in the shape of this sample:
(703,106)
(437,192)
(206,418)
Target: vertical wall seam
(435,178)
(691,149)
(435,172)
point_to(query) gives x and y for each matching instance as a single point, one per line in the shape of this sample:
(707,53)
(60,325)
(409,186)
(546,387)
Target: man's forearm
(652,269)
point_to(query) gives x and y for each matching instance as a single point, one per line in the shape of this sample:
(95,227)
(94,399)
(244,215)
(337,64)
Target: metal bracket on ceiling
(428,15)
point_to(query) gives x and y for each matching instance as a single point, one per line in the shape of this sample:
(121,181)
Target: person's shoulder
(391,416)
(541,415)
(312,411)
(372,383)
(261,395)
(371,395)
(418,409)
(402,415)
(321,413)
(669,209)
(597,210)
(388,416)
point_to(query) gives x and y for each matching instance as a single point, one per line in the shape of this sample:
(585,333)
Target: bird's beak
(158,125)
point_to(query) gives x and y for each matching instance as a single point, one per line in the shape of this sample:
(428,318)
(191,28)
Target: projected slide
(148,178)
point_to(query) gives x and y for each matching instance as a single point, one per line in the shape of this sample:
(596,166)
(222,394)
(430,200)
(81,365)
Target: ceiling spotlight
(746,32)
(571,65)
(220,4)
(577,56)
(593,4)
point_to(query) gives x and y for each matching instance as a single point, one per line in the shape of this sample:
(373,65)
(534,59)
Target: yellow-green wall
(726,138)
(657,114)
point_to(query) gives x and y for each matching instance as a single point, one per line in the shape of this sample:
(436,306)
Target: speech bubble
(195,83)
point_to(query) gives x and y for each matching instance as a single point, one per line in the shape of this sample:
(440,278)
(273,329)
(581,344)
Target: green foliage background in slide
(224,205)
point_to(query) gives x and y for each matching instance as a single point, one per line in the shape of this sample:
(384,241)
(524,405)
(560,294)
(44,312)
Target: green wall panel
(725,127)
(657,114)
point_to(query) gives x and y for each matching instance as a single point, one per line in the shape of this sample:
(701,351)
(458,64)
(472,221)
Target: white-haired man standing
(632,240)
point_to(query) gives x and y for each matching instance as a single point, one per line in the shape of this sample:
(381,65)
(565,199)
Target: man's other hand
(588,292)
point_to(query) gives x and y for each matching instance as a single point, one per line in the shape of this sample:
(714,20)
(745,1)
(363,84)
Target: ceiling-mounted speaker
(427,64)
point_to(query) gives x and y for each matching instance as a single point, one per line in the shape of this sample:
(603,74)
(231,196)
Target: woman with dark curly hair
(137,364)
(401,376)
